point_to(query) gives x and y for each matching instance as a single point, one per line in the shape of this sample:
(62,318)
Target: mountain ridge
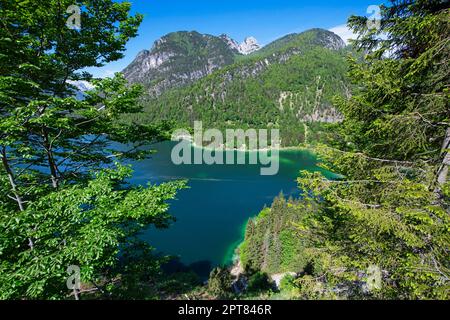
(283,85)
(177,59)
(181,58)
(248,46)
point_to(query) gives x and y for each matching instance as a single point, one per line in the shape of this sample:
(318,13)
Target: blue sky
(266,20)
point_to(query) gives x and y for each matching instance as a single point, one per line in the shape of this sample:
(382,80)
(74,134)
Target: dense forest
(380,230)
(272,244)
(288,85)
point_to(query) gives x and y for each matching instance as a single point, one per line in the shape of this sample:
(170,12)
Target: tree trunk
(51,161)
(12,180)
(442,173)
(13,184)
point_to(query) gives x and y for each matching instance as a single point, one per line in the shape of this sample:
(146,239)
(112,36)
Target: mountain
(289,84)
(231,43)
(247,47)
(181,58)
(319,37)
(177,59)
(80,87)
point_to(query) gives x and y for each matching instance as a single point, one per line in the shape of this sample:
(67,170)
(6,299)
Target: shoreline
(231,256)
(224,148)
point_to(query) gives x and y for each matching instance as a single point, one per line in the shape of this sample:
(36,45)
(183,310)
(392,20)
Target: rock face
(249,45)
(332,41)
(178,59)
(293,79)
(232,44)
(181,58)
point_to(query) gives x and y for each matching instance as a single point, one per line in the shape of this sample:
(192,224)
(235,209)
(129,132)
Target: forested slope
(381,231)
(289,83)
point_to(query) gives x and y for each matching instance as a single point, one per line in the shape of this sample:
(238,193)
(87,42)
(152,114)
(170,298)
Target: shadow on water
(201,268)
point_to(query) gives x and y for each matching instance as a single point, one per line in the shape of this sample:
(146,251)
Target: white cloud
(344,32)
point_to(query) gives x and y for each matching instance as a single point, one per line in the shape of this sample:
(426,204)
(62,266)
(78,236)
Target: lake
(212,214)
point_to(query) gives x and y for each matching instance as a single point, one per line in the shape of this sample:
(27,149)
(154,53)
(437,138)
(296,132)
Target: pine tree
(391,207)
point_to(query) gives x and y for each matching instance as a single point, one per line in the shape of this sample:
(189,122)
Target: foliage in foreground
(63,202)
(383,230)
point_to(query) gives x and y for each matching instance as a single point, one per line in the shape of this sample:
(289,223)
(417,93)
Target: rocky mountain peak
(179,58)
(328,39)
(233,44)
(249,45)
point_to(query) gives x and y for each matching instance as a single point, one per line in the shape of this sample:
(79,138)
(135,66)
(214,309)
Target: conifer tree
(390,210)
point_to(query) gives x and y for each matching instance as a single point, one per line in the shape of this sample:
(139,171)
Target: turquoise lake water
(211,214)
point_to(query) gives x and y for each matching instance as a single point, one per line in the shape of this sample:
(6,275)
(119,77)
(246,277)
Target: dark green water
(212,214)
